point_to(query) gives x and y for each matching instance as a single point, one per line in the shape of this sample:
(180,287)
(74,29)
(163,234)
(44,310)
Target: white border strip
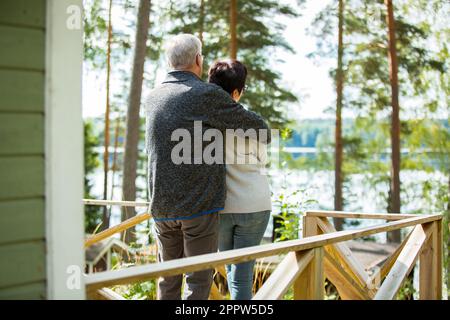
(64,153)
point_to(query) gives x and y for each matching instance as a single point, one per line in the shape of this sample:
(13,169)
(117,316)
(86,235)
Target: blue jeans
(240,230)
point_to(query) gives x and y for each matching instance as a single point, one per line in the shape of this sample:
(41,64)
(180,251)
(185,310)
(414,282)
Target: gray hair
(182,49)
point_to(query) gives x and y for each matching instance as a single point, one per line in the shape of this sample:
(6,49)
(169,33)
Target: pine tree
(394,192)
(233,29)
(106,218)
(133,123)
(338,201)
(421,68)
(258,35)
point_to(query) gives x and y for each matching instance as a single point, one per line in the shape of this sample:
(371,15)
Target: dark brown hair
(229,74)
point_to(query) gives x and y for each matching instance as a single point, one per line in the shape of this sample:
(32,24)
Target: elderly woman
(244,219)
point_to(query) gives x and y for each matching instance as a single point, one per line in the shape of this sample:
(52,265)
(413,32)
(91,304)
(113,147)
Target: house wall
(22,150)
(41,150)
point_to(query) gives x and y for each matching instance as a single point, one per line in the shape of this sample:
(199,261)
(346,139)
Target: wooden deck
(322,253)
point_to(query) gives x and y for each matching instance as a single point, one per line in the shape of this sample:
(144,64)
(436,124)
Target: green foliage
(96,34)
(259,37)
(95,29)
(407,290)
(422,47)
(145,290)
(290,208)
(122,42)
(367,71)
(423,56)
(288,218)
(423,60)
(93,214)
(289,295)
(139,291)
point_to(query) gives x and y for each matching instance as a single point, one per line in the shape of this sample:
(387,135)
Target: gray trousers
(186,238)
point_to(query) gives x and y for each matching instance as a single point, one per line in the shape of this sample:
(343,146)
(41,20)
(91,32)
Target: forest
(380,144)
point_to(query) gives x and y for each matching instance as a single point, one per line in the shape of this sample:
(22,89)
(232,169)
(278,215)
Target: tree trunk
(394,206)
(114,163)
(133,123)
(338,202)
(105,218)
(201,28)
(233,29)
(446,227)
(201,20)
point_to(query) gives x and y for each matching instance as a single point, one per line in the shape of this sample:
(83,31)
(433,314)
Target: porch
(321,254)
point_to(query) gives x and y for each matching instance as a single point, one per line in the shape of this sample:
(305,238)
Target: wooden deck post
(405,262)
(430,279)
(310,227)
(310,284)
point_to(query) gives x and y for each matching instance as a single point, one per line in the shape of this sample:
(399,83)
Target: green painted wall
(22,189)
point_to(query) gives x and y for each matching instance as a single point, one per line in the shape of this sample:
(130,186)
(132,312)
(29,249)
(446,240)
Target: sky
(300,74)
(309,81)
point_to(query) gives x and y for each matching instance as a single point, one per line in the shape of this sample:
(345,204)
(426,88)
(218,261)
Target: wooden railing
(120,227)
(320,254)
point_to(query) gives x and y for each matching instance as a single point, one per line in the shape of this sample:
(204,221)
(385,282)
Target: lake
(317,185)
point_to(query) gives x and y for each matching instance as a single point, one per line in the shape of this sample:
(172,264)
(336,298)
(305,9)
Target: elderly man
(186,196)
